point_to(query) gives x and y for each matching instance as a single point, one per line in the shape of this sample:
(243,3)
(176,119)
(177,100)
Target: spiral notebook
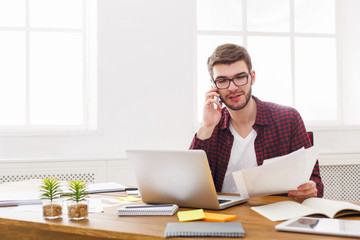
(148,209)
(204,229)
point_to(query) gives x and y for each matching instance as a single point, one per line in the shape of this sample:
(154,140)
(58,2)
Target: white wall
(146,60)
(146,81)
(341,140)
(351,58)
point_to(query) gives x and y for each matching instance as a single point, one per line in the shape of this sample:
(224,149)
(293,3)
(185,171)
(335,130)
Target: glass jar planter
(78,210)
(52,209)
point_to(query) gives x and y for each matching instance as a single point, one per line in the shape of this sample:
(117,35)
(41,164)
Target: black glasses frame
(232,80)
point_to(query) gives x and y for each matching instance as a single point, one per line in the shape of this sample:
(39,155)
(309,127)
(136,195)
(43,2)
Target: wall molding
(339,158)
(44,159)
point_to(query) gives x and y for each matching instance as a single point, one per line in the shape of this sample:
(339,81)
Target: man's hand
(304,191)
(211,116)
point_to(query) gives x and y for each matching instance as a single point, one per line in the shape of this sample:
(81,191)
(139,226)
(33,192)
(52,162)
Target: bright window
(293,45)
(48,64)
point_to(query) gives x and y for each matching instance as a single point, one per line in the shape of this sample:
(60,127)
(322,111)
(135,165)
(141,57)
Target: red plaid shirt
(280,131)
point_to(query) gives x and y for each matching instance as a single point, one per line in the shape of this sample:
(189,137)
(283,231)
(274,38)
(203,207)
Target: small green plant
(50,189)
(78,191)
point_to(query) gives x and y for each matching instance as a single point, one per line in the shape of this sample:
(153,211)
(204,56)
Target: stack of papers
(9,203)
(20,193)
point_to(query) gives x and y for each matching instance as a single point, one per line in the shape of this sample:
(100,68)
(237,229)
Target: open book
(289,209)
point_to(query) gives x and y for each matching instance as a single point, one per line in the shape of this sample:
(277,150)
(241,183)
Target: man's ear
(252,73)
(212,82)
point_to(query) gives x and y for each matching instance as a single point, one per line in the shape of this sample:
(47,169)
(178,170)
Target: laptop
(179,177)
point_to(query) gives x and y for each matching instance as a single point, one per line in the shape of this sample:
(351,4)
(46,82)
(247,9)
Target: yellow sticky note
(217,217)
(191,215)
(130,199)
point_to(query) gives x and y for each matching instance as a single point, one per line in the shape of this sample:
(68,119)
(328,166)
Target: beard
(236,108)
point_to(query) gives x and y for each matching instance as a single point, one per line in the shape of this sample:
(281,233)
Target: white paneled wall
(121,171)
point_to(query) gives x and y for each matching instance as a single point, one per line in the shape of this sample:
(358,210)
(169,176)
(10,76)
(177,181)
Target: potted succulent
(77,204)
(51,202)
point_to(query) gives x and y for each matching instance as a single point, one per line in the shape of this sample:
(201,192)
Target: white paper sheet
(277,175)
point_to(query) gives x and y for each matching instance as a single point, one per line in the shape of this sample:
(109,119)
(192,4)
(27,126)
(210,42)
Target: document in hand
(289,209)
(277,175)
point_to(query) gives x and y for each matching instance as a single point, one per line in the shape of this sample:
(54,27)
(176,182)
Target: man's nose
(232,85)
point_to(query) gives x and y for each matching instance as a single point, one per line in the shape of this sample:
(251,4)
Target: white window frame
(89,38)
(313,125)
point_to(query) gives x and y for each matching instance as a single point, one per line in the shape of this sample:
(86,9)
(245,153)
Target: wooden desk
(108,225)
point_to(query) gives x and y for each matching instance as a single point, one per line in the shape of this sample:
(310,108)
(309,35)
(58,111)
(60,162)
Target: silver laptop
(179,177)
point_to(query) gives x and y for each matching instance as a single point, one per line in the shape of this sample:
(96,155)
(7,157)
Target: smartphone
(217,98)
(219,101)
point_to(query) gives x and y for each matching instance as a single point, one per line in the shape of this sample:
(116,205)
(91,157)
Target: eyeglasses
(238,81)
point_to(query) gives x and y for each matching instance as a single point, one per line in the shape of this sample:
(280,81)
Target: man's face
(234,97)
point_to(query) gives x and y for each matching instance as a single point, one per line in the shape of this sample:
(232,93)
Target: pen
(149,206)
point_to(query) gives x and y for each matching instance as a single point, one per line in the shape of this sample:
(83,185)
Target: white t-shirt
(242,156)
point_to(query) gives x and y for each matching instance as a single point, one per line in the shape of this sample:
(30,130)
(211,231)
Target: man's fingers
(308,185)
(304,191)
(211,94)
(209,103)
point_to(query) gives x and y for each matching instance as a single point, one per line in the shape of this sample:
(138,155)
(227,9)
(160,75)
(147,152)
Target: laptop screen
(180,177)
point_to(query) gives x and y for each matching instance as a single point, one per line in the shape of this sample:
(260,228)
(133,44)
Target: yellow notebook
(217,217)
(192,215)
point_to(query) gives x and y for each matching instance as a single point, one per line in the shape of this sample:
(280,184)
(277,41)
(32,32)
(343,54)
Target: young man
(246,131)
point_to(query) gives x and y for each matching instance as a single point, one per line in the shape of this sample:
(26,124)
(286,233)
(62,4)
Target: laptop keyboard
(223,201)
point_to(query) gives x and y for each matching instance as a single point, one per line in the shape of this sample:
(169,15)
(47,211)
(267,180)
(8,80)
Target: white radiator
(87,177)
(341,176)
(88,170)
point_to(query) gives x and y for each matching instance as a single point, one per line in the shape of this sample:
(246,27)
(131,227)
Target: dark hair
(228,54)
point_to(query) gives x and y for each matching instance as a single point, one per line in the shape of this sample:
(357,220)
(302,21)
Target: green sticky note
(191,215)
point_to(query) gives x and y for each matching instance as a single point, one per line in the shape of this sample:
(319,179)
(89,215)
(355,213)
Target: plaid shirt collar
(263,116)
